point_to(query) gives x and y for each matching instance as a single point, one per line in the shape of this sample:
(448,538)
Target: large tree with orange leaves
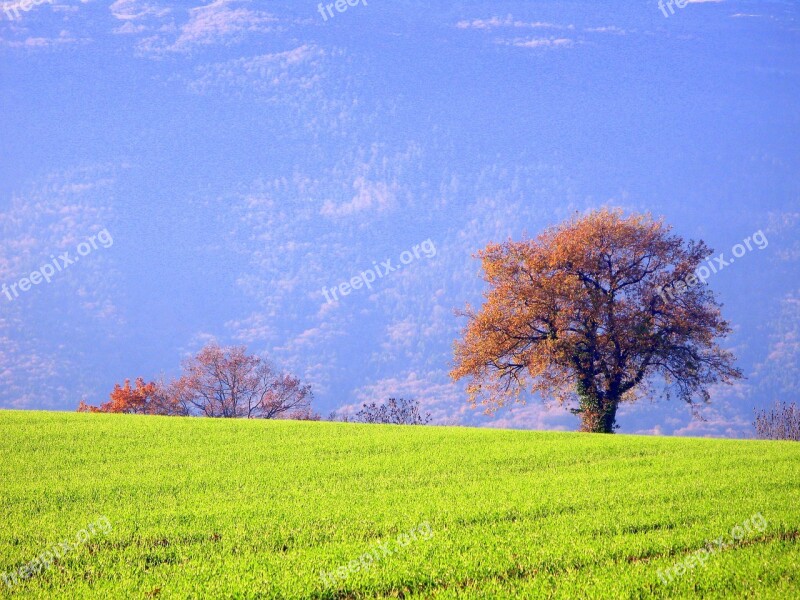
(579,313)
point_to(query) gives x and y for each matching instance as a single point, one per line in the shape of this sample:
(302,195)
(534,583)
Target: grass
(251,509)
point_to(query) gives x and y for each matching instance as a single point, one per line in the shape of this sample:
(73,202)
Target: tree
(227,382)
(781,422)
(143,399)
(581,313)
(343,417)
(217,382)
(395,412)
(304,414)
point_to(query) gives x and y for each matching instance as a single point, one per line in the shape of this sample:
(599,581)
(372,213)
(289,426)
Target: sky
(208,170)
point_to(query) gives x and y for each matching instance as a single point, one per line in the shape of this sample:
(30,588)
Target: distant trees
(580,312)
(228,383)
(221,382)
(781,422)
(142,399)
(334,416)
(303,415)
(393,411)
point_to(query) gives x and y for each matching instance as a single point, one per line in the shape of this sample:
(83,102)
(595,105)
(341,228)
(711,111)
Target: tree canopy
(579,313)
(224,382)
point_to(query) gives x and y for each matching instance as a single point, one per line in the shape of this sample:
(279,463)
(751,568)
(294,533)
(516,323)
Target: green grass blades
(201,508)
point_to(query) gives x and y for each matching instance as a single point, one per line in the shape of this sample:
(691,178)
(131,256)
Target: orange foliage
(143,399)
(575,314)
(217,382)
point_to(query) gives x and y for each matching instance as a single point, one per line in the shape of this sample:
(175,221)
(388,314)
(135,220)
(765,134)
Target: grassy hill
(197,508)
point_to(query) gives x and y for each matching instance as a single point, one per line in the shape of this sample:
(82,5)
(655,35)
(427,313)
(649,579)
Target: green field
(202,508)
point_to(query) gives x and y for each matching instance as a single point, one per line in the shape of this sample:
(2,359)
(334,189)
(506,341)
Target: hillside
(199,508)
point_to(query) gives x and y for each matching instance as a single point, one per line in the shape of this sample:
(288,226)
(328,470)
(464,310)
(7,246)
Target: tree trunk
(598,415)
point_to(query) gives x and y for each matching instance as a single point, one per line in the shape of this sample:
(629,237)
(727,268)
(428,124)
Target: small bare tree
(229,383)
(305,414)
(395,412)
(342,418)
(781,422)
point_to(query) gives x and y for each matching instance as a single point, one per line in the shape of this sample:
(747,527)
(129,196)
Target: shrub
(781,422)
(395,412)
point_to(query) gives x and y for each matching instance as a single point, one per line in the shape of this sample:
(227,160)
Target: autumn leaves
(574,315)
(222,382)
